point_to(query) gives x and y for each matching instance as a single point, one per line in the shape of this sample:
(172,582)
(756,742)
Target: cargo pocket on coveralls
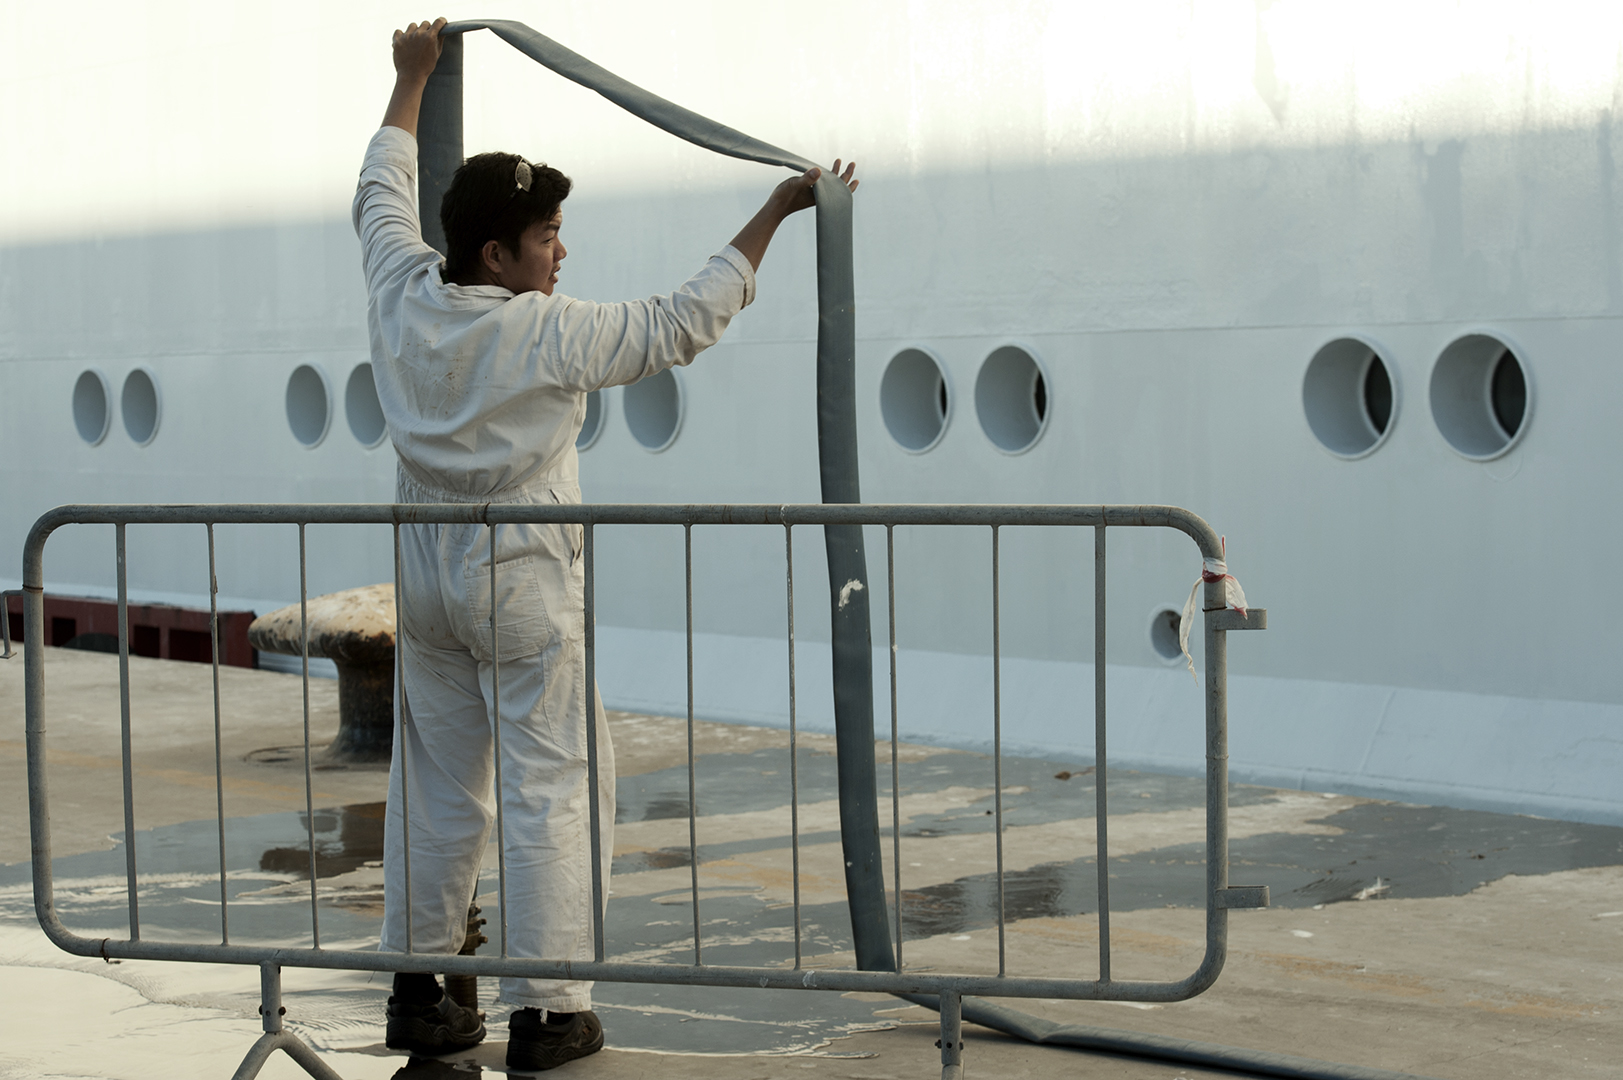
(522,625)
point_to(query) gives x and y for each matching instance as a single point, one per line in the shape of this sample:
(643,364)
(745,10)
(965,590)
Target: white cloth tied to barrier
(1212,570)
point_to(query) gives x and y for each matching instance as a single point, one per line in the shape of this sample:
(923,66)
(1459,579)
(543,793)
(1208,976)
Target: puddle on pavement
(1386,850)
(662,859)
(736,783)
(320,762)
(346,839)
(435,1069)
(267,867)
(1171,877)
(1398,851)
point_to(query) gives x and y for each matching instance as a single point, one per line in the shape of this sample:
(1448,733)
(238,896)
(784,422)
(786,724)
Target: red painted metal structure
(161,631)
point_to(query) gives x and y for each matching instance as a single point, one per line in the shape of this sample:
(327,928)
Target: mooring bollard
(355,630)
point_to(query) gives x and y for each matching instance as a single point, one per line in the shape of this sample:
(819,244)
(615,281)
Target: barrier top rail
(878,514)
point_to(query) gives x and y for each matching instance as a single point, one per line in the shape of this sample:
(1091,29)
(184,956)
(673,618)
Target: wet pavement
(1444,942)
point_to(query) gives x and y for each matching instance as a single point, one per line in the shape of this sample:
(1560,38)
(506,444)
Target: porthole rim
(326,387)
(946,380)
(603,397)
(108,396)
(1528,380)
(383,436)
(1048,382)
(1379,351)
(1176,659)
(681,413)
(157,403)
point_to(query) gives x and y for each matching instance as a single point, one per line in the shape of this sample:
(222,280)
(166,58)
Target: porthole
(308,413)
(1350,397)
(1012,399)
(1480,396)
(654,410)
(1164,634)
(91,415)
(141,406)
(1507,394)
(592,426)
(913,400)
(361,407)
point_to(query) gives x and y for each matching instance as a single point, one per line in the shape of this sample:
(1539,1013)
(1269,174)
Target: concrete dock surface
(1439,942)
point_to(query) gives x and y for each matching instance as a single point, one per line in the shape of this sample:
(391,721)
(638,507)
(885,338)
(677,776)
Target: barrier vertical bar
(124,729)
(951,1005)
(496,746)
(794,750)
(39,800)
(594,816)
(309,783)
(693,801)
(401,743)
(1100,796)
(895,769)
(271,1010)
(1217,768)
(997,749)
(5,620)
(219,757)
(276,1037)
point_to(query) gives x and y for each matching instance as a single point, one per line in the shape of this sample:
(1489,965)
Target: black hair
(485,202)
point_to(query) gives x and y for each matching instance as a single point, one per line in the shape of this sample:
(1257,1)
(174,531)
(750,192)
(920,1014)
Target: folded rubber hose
(440,142)
(1034,1029)
(440,130)
(665,115)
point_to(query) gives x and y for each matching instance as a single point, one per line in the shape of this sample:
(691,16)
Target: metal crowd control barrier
(947,988)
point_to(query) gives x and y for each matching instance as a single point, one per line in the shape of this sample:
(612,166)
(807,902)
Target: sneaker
(534,1045)
(441,1028)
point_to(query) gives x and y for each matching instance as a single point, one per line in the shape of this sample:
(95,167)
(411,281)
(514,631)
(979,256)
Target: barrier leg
(275,1037)
(952,1036)
(257,1056)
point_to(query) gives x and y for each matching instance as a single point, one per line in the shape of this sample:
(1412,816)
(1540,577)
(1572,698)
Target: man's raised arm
(416,51)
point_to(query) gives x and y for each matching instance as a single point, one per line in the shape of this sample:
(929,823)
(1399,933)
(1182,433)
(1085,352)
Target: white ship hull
(1171,218)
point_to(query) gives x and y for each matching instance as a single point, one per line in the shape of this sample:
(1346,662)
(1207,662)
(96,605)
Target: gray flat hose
(440,153)
(1138,1044)
(440,139)
(665,115)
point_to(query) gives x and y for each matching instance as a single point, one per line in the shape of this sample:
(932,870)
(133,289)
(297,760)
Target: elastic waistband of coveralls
(555,489)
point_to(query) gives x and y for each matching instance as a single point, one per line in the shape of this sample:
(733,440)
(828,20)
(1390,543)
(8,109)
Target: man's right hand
(789,197)
(417,50)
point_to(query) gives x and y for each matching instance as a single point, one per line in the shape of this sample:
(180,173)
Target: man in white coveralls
(483,372)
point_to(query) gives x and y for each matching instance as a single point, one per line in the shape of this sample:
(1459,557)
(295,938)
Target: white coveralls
(485,394)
